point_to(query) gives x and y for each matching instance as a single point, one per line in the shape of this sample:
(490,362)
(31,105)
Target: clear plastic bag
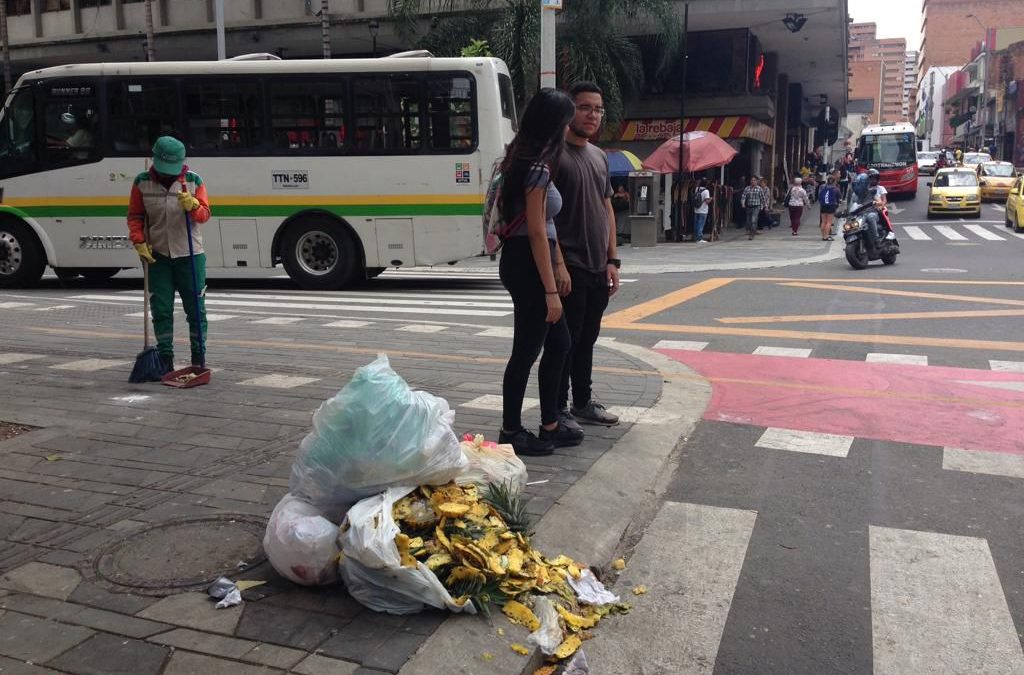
(301,544)
(490,463)
(373,434)
(371,565)
(549,635)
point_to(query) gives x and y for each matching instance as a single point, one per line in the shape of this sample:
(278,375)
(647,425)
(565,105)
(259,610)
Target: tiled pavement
(113,459)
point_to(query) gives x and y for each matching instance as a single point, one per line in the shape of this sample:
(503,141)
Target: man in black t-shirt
(586,234)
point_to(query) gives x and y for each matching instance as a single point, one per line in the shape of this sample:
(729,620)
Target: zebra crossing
(955,231)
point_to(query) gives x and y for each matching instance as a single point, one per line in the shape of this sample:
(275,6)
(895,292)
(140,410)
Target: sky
(895,18)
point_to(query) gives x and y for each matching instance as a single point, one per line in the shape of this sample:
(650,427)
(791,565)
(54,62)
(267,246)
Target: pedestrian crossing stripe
(992,232)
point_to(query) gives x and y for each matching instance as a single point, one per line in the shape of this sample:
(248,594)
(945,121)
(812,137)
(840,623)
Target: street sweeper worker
(160,199)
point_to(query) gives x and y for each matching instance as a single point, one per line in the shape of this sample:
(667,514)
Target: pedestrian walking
(533,271)
(764,219)
(160,199)
(701,200)
(752,200)
(585,234)
(796,199)
(829,199)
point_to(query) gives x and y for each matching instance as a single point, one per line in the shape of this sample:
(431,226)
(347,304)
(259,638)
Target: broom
(148,367)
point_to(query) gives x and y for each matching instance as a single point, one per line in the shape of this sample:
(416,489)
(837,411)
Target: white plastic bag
(549,635)
(301,544)
(490,463)
(371,565)
(374,434)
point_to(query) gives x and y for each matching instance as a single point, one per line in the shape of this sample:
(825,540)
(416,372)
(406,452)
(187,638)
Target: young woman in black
(533,272)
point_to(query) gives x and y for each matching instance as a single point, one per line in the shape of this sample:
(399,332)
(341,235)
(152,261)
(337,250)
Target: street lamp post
(374,27)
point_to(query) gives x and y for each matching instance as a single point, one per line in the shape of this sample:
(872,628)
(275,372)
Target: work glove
(145,252)
(187,201)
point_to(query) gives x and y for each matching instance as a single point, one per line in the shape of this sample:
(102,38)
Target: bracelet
(550,292)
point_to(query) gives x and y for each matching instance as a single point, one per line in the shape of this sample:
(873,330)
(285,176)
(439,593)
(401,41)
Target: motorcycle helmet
(873,177)
(860,186)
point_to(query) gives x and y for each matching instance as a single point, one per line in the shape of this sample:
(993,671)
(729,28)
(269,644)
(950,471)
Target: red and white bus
(892,150)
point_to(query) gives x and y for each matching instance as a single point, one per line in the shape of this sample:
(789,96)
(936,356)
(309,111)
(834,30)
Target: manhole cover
(182,554)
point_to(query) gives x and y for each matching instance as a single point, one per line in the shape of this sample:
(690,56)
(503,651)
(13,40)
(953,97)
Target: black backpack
(695,198)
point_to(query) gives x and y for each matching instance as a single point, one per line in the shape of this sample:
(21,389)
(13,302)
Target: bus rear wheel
(21,255)
(319,254)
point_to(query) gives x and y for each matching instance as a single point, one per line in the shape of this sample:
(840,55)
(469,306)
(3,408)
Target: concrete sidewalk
(117,511)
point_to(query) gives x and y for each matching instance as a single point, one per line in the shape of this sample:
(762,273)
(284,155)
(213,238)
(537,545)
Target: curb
(587,523)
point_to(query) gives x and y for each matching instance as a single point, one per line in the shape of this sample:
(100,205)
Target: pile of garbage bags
(385,498)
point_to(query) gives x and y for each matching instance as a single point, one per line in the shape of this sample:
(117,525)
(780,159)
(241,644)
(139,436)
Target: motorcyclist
(862,194)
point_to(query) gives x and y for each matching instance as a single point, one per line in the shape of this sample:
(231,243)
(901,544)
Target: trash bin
(643,208)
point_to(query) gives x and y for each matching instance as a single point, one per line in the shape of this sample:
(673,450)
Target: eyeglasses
(589,109)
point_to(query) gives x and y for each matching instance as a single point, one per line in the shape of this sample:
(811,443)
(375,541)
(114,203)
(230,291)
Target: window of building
(140,112)
(56,5)
(308,117)
(18,7)
(224,117)
(387,114)
(450,113)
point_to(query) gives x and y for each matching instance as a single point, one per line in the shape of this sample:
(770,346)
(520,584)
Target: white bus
(336,169)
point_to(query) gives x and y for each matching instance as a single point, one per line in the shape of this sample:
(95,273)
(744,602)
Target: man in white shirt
(701,200)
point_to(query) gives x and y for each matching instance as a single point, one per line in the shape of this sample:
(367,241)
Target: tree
(591,42)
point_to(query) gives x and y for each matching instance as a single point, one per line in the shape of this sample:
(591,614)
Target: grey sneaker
(568,421)
(595,413)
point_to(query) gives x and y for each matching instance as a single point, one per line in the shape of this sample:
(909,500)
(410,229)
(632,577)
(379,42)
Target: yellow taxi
(971,160)
(1015,205)
(956,192)
(995,179)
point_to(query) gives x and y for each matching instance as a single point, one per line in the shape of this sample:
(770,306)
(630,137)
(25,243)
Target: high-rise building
(910,87)
(890,101)
(951,28)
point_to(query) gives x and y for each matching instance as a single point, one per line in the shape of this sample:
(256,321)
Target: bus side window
(307,117)
(223,117)
(141,111)
(387,115)
(451,112)
(71,123)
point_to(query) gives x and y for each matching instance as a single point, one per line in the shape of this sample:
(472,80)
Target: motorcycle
(860,249)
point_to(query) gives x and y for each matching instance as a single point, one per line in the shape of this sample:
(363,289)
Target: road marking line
(1007,366)
(673,299)
(279,381)
(54,308)
(279,320)
(905,359)
(493,402)
(211,318)
(990,463)
(15,357)
(238,304)
(497,331)
(90,365)
(348,323)
(685,345)
(421,328)
(1005,386)
(826,318)
(691,556)
(16,305)
(302,301)
(810,442)
(937,606)
(638,415)
(984,233)
(355,296)
(908,294)
(791,352)
(949,233)
(999,207)
(915,232)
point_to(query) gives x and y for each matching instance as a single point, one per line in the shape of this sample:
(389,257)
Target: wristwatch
(616,262)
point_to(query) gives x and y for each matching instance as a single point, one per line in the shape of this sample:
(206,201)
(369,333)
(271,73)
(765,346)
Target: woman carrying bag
(534,273)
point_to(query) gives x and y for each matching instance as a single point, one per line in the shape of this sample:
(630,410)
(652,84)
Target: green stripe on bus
(255,211)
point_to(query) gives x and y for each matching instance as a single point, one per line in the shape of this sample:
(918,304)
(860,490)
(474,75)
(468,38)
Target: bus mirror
(929,184)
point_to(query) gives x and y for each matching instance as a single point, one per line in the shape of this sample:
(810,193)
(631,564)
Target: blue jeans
(698,225)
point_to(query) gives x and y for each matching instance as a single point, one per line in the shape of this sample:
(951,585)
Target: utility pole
(150,49)
(6,47)
(325,29)
(548,26)
(682,124)
(218,13)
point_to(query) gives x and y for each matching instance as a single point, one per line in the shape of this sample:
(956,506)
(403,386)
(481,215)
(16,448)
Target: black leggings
(532,333)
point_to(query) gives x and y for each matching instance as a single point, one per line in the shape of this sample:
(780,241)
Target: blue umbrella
(622,162)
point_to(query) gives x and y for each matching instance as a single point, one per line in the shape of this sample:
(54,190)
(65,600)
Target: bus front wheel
(22,260)
(319,254)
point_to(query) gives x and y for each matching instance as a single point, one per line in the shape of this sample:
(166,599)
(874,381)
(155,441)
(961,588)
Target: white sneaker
(702,241)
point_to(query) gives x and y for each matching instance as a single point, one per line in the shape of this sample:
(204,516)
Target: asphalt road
(872,420)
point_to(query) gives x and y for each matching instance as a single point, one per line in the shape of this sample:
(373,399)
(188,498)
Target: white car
(926,162)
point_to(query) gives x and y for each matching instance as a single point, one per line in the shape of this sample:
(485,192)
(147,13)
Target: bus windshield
(887,151)
(17,131)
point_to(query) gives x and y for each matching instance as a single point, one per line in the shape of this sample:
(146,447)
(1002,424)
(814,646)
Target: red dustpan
(184,378)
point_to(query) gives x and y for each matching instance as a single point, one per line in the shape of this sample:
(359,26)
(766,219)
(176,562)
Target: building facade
(932,122)
(891,53)
(910,86)
(948,35)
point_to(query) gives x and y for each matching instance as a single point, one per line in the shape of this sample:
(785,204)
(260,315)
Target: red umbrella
(701,150)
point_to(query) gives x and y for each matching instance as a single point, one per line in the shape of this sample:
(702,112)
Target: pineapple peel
(519,613)
(568,647)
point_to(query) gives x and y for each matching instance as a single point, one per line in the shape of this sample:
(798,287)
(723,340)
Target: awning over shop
(739,126)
